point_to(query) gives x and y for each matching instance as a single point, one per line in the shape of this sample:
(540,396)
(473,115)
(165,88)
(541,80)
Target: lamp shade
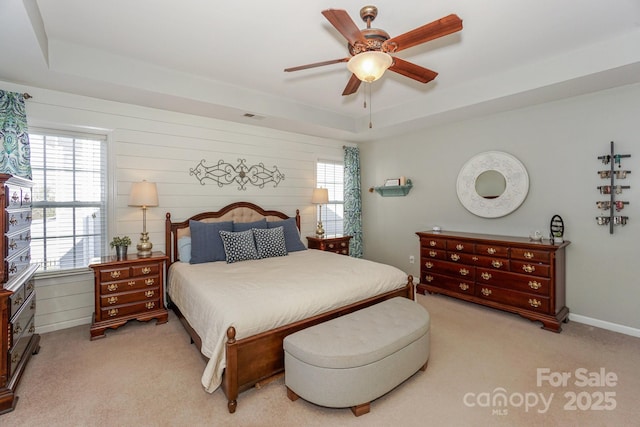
(320,196)
(143,194)
(369,66)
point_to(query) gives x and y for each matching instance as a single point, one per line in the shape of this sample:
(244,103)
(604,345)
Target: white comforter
(258,295)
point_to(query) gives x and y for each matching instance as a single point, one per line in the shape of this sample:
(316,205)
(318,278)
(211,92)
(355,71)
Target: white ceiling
(224,59)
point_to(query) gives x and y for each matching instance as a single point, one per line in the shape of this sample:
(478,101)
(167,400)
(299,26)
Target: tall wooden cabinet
(18,340)
(509,273)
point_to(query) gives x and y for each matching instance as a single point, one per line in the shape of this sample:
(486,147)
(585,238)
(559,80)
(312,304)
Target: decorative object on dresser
(556,229)
(128,289)
(320,197)
(144,194)
(121,244)
(612,190)
(337,244)
(513,274)
(18,340)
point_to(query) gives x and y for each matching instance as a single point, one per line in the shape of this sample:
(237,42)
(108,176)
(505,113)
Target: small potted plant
(121,244)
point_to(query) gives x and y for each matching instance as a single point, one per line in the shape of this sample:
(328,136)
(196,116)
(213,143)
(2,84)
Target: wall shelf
(607,215)
(394,190)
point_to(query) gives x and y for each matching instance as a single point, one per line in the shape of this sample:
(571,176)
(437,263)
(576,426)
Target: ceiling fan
(371,48)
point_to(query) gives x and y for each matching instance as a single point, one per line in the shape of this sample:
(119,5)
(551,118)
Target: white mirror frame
(515,175)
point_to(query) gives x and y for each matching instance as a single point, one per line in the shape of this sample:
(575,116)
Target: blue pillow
(206,244)
(184,249)
(269,242)
(239,246)
(244,226)
(291,234)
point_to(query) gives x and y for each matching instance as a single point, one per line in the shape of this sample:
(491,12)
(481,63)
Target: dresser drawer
(512,281)
(450,283)
(137,308)
(450,269)
(492,250)
(434,243)
(433,253)
(111,274)
(460,246)
(129,285)
(493,262)
(513,298)
(129,297)
(531,268)
(461,258)
(18,220)
(17,352)
(18,263)
(18,241)
(20,295)
(530,255)
(19,323)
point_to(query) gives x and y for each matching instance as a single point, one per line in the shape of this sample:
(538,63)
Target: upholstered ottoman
(351,360)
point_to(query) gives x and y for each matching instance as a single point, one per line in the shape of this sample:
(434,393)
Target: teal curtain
(15,158)
(352,200)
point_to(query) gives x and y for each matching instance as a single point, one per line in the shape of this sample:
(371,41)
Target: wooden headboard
(238,212)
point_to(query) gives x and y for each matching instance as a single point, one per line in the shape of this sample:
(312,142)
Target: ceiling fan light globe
(369,66)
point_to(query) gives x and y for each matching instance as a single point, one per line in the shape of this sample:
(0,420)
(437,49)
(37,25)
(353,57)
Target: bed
(238,313)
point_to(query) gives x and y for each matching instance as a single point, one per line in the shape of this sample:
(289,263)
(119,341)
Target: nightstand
(337,244)
(128,289)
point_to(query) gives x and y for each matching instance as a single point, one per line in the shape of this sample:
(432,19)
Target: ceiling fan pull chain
(369,85)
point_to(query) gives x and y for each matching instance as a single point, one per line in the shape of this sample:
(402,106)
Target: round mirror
(492,184)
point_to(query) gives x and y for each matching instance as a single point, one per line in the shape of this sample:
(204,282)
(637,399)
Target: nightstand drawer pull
(150,305)
(115,274)
(428,278)
(464,272)
(428,264)
(149,294)
(485,275)
(463,286)
(528,268)
(535,285)
(146,270)
(491,251)
(432,243)
(331,245)
(459,246)
(486,292)
(112,287)
(455,257)
(112,300)
(496,264)
(112,312)
(433,254)
(149,282)
(528,255)
(534,303)
(131,282)
(343,244)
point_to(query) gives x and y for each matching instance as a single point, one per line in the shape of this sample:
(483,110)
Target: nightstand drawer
(145,270)
(137,308)
(108,275)
(129,285)
(129,297)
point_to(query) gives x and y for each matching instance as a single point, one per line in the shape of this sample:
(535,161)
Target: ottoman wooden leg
(361,409)
(292,395)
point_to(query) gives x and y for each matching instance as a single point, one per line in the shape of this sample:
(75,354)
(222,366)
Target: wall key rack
(613,190)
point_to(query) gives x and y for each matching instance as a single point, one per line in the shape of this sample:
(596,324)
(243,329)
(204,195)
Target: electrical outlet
(412,259)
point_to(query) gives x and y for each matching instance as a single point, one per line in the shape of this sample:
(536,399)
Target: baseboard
(63,325)
(634,332)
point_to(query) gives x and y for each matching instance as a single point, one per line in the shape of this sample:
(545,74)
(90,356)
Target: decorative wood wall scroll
(224,173)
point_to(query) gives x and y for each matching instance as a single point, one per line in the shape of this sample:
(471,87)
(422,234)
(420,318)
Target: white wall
(162,146)
(559,144)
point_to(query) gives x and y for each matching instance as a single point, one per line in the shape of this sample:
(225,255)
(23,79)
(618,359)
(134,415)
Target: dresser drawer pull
(149,282)
(432,243)
(433,254)
(428,264)
(150,305)
(33,305)
(13,220)
(485,275)
(146,270)
(475,258)
(463,286)
(112,312)
(15,358)
(491,251)
(464,271)
(149,294)
(534,303)
(29,286)
(17,328)
(331,245)
(343,244)
(428,278)
(131,282)
(112,287)
(455,257)
(486,292)
(32,328)
(528,255)
(459,246)
(528,268)
(18,301)
(535,285)
(112,300)
(496,264)
(115,274)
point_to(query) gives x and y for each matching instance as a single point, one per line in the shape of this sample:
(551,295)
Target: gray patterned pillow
(270,242)
(238,246)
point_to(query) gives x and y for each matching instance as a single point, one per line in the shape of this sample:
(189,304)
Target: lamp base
(145,246)
(320,230)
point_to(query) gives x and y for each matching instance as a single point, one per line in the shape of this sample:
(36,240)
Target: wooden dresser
(128,289)
(337,244)
(509,273)
(18,340)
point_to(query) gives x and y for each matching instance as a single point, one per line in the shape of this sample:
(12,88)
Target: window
(330,175)
(69,198)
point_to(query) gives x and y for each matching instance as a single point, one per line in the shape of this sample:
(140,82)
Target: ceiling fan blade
(352,86)
(317,64)
(341,20)
(436,29)
(413,71)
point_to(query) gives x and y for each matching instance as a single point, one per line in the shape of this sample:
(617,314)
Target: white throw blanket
(258,295)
